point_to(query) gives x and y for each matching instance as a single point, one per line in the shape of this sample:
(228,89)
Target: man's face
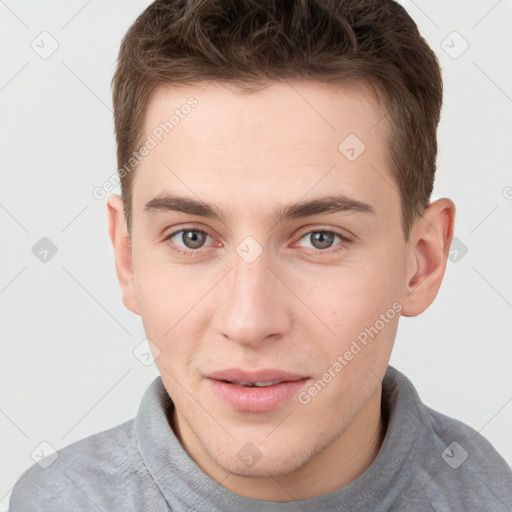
(287,296)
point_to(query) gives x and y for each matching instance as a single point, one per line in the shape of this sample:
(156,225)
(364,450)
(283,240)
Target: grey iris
(321,239)
(193,239)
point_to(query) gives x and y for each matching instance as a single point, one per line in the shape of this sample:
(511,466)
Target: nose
(254,304)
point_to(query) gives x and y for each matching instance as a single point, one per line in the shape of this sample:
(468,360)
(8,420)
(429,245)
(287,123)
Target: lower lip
(254,399)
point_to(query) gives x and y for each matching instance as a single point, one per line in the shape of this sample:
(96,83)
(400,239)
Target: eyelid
(192,226)
(174,232)
(325,229)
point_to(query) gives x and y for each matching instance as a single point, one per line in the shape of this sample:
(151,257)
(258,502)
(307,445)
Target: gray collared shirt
(427,462)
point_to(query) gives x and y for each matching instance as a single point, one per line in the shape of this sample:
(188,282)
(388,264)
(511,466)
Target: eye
(187,240)
(324,239)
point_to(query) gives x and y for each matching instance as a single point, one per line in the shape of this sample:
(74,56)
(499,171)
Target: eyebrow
(327,204)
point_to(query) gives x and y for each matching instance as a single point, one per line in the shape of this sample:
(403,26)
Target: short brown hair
(250,43)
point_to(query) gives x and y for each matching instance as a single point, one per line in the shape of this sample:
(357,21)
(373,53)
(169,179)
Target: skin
(296,307)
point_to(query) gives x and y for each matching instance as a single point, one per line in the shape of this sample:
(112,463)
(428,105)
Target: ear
(430,246)
(122,251)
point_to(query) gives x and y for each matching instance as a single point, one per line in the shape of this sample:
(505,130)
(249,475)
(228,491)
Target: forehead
(287,140)
(306,111)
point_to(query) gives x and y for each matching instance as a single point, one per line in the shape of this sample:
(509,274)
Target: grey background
(67,368)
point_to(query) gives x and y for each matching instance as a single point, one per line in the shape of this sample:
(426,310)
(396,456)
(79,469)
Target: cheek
(360,306)
(359,303)
(348,299)
(169,305)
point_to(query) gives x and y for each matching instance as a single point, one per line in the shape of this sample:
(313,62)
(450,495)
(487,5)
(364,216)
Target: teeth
(265,384)
(258,384)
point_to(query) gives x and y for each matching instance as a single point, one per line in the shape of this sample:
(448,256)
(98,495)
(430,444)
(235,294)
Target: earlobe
(122,251)
(431,245)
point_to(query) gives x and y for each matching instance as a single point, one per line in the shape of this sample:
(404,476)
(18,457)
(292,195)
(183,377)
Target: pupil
(322,240)
(193,239)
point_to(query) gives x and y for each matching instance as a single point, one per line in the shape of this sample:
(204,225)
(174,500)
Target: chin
(262,469)
(265,459)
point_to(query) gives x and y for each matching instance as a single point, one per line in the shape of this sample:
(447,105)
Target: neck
(346,458)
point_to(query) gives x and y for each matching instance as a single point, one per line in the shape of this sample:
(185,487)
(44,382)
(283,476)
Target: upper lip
(265,375)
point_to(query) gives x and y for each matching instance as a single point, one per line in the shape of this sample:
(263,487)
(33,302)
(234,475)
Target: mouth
(254,384)
(260,391)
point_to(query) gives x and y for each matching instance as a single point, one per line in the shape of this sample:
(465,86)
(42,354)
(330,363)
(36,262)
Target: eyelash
(341,246)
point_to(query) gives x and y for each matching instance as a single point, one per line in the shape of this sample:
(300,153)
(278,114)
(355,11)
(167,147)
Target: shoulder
(450,466)
(468,441)
(467,466)
(107,460)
